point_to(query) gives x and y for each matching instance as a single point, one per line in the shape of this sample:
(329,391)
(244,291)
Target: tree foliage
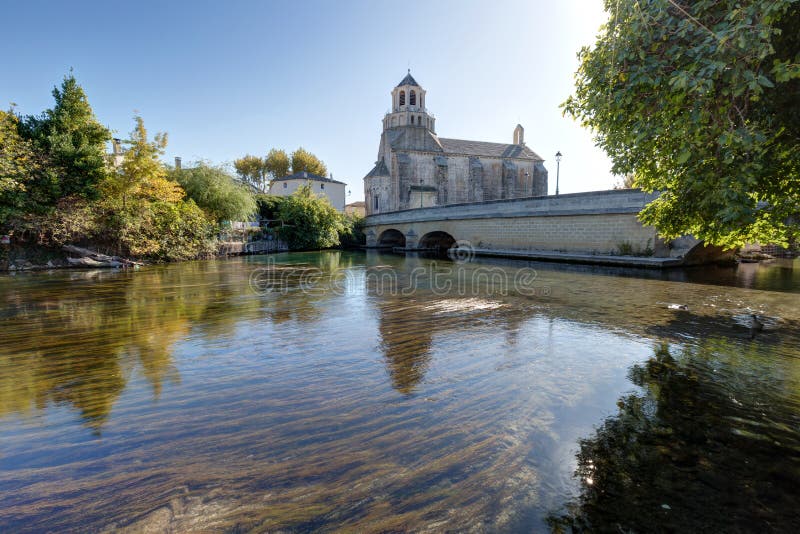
(52,166)
(163,231)
(20,164)
(278,163)
(269,206)
(303,160)
(74,141)
(699,101)
(310,222)
(142,174)
(253,171)
(216,192)
(352,233)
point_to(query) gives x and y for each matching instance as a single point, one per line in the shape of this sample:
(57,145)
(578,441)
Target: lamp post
(558,168)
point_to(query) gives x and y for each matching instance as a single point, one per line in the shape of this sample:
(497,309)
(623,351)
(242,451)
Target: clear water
(364,392)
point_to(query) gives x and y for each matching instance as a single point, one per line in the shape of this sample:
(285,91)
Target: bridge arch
(701,253)
(441,241)
(391,238)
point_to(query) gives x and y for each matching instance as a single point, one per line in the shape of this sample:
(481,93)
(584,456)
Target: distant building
(416,168)
(320,186)
(117,154)
(355,208)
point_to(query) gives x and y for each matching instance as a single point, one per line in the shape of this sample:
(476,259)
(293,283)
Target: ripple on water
(177,397)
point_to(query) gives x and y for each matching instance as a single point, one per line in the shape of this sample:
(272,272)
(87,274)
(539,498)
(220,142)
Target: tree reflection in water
(92,334)
(705,447)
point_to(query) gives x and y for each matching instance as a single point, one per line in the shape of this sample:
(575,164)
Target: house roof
(304,175)
(356,204)
(482,148)
(408,80)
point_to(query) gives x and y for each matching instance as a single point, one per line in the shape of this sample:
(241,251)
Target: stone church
(416,168)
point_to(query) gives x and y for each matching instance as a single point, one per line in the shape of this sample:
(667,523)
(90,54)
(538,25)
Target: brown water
(363,392)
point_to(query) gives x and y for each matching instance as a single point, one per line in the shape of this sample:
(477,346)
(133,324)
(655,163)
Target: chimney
(177,162)
(519,135)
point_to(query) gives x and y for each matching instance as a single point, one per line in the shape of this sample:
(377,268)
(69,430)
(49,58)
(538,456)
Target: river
(369,392)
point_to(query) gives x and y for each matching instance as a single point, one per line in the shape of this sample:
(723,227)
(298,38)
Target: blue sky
(235,77)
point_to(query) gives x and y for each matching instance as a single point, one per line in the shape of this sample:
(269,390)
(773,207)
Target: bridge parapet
(596,224)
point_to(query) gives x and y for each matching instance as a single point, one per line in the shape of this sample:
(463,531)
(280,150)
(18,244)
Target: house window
(413,98)
(402,98)
(375,203)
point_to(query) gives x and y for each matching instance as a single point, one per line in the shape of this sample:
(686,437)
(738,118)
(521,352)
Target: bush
(217,192)
(165,231)
(352,233)
(309,222)
(269,206)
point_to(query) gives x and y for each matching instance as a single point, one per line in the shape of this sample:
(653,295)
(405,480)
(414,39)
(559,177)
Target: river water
(367,392)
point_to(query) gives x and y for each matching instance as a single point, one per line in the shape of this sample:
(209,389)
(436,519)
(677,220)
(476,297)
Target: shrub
(352,233)
(310,222)
(217,192)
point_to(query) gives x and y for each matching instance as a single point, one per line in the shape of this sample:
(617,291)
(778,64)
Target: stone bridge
(598,227)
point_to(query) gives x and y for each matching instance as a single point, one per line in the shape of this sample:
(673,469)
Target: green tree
(166,231)
(20,165)
(142,174)
(303,160)
(699,101)
(253,171)
(217,193)
(269,206)
(73,139)
(310,222)
(278,163)
(352,233)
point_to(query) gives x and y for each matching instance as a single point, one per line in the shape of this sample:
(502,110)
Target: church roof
(408,80)
(304,175)
(492,150)
(379,169)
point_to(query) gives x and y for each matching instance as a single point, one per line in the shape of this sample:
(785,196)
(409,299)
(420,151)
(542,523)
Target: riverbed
(372,392)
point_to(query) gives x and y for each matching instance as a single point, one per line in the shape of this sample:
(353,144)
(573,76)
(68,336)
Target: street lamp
(558,168)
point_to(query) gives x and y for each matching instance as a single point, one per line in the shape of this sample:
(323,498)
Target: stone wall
(604,222)
(459,178)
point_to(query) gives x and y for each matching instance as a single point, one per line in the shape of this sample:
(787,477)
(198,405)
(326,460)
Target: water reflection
(704,447)
(77,345)
(178,398)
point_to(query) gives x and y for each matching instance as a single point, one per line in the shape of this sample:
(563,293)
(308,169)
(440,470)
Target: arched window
(413,98)
(403,98)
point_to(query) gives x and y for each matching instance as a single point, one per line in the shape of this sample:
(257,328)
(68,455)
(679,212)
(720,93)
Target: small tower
(519,135)
(408,106)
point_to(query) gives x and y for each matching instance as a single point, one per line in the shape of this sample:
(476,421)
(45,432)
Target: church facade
(416,168)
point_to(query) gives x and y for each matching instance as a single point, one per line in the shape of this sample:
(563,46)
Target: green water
(367,393)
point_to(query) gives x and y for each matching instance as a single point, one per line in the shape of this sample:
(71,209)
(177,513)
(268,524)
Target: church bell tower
(408,107)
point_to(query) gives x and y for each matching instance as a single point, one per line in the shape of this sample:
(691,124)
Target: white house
(320,186)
